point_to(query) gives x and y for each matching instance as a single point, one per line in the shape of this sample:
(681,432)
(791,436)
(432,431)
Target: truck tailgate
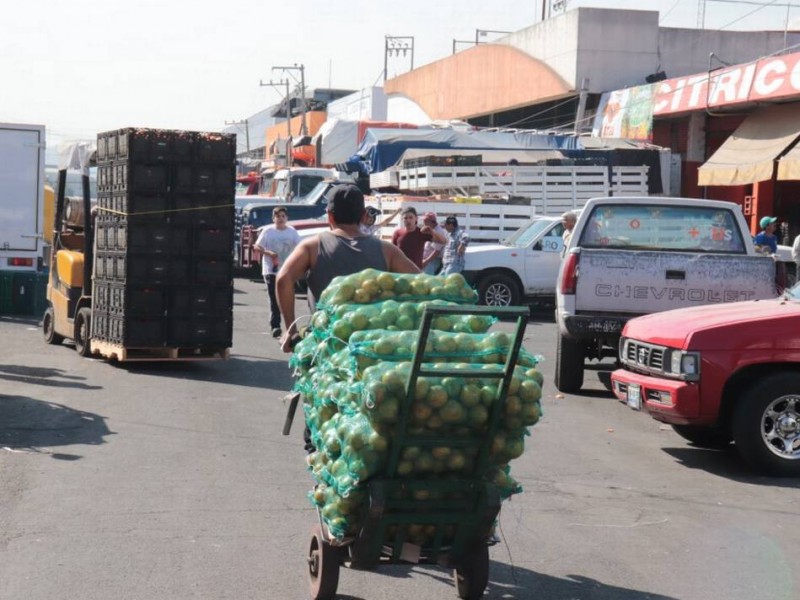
(637,282)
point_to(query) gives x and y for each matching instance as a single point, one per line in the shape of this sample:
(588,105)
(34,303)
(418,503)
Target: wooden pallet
(124,354)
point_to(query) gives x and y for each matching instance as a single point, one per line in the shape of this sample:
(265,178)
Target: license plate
(634,396)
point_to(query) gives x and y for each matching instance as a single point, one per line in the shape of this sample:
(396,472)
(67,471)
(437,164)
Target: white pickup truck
(634,256)
(524,266)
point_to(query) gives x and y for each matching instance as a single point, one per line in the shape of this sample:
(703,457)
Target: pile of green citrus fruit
(354,369)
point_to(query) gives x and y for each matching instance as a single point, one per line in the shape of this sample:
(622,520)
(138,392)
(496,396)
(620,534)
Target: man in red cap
(411,238)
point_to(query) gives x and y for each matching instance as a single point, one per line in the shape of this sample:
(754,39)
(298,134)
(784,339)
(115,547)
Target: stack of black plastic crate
(163,271)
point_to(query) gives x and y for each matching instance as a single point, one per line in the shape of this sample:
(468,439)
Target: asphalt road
(173,481)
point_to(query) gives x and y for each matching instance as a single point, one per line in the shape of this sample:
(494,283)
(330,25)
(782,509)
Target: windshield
(657,227)
(304,184)
(74,187)
(524,236)
(313,196)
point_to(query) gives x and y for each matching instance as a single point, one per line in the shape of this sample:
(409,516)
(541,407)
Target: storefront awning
(749,154)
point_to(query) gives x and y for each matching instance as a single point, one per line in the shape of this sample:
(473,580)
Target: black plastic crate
(214,332)
(132,178)
(159,238)
(105,233)
(201,300)
(214,271)
(137,300)
(215,212)
(216,241)
(101,296)
(99,324)
(136,332)
(157,269)
(148,207)
(109,266)
(105,178)
(218,148)
(205,180)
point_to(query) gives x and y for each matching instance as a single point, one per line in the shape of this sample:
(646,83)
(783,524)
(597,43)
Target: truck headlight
(685,364)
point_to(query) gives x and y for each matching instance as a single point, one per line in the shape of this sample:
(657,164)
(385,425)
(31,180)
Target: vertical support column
(763,203)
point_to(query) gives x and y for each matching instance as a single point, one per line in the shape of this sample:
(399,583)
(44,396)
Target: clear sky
(85,66)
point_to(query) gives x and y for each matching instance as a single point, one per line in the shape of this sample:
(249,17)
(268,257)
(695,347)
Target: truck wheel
(498,289)
(766,424)
(49,327)
(569,365)
(703,437)
(83,322)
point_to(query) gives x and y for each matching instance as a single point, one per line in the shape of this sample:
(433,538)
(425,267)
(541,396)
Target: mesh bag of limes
(353,367)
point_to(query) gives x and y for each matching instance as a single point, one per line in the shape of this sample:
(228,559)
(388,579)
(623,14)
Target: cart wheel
(472,575)
(323,567)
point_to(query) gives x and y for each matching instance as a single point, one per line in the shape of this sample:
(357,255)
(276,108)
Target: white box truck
(21,197)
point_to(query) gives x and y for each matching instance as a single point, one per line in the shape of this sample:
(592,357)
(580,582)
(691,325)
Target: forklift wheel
(49,327)
(83,322)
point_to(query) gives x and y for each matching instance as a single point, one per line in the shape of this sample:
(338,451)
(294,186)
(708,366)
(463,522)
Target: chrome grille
(644,356)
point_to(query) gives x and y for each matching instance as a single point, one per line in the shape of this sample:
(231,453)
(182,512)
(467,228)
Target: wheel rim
(498,294)
(780,427)
(313,559)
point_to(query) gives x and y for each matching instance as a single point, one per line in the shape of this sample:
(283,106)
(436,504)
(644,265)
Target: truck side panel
(21,192)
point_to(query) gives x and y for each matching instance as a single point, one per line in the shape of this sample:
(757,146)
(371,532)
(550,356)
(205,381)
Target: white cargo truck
(21,196)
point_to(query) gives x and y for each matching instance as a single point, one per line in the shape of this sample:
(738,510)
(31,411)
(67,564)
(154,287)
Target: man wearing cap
(767,239)
(455,248)
(411,238)
(371,214)
(432,252)
(341,251)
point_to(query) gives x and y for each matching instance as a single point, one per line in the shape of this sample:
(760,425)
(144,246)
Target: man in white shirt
(276,243)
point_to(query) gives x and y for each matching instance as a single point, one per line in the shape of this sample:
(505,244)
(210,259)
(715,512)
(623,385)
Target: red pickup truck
(721,373)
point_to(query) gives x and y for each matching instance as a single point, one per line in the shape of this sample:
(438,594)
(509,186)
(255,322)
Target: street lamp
(394,45)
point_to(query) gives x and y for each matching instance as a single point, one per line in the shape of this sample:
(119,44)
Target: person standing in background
(568,219)
(276,243)
(411,238)
(369,226)
(766,239)
(432,252)
(455,248)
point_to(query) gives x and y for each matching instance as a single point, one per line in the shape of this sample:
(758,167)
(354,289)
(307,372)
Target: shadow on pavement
(257,372)
(725,463)
(507,581)
(28,424)
(43,376)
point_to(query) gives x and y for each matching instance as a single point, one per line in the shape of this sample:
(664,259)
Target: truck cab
(721,373)
(524,266)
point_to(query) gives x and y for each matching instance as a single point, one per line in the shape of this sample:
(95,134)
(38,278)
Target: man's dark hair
(279,209)
(409,210)
(346,204)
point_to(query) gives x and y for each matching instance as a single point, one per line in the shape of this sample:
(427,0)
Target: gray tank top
(343,256)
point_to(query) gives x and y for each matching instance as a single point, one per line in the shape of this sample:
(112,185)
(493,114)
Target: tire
(498,289)
(83,323)
(49,327)
(472,575)
(323,567)
(569,365)
(766,425)
(704,437)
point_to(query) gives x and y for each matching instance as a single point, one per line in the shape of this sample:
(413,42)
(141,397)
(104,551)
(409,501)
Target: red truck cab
(721,373)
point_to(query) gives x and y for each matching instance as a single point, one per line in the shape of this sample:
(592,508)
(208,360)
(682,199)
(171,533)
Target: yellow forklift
(69,288)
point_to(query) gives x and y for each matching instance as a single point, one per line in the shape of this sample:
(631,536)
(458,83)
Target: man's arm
(396,261)
(293,270)
(438,237)
(796,249)
(388,219)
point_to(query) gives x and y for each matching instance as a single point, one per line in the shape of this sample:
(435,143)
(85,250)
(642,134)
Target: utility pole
(579,114)
(701,14)
(302,82)
(275,84)
(395,44)
(246,132)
